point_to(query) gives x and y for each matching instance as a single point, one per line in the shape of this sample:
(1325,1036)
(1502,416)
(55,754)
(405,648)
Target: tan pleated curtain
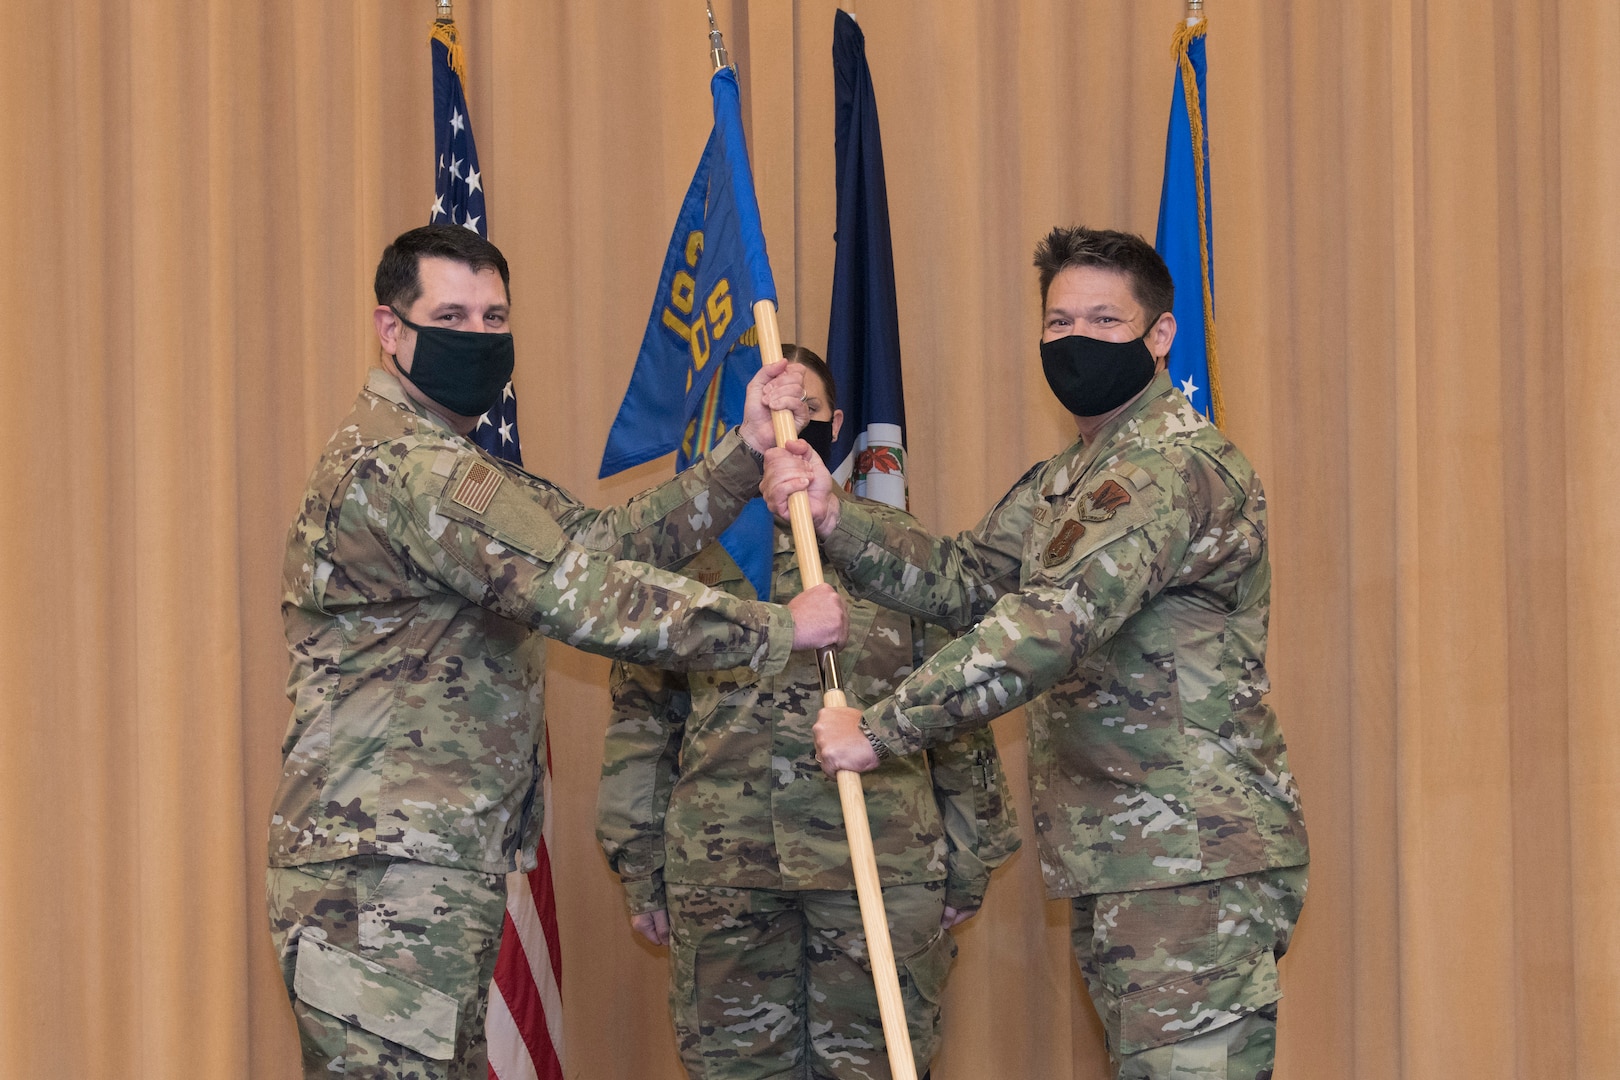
(1417,237)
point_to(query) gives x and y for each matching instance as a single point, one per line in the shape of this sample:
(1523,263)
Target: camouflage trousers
(387,963)
(772,983)
(1185,979)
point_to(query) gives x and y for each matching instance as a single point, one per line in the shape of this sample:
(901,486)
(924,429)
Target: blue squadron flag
(1186,229)
(863,330)
(458,199)
(701,346)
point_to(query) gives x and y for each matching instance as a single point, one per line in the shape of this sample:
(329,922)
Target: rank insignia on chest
(1105,502)
(1063,543)
(478,487)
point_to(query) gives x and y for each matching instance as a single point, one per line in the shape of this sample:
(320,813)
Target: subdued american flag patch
(478,487)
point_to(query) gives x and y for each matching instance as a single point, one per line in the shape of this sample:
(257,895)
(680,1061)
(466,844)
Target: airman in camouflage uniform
(712,808)
(1120,589)
(416,573)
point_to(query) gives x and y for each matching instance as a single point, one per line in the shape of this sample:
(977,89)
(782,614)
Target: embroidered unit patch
(478,487)
(1063,543)
(1105,502)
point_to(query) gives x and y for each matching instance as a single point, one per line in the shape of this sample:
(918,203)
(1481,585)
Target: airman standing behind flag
(416,573)
(731,845)
(1121,589)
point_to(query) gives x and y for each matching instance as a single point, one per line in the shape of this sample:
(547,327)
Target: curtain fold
(1417,254)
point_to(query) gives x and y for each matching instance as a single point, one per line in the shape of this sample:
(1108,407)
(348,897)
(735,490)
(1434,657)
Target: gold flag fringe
(445,31)
(1179,44)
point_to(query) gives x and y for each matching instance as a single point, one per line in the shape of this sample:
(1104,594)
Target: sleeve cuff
(965,892)
(856,526)
(642,895)
(734,468)
(780,649)
(887,723)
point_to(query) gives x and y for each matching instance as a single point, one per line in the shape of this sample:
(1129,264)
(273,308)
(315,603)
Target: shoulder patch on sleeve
(476,487)
(513,513)
(444,464)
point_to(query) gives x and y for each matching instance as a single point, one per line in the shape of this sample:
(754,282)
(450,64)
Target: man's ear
(1160,337)
(388,328)
(837,422)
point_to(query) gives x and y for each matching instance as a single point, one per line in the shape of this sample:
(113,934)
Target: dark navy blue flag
(458,199)
(1186,229)
(863,330)
(701,347)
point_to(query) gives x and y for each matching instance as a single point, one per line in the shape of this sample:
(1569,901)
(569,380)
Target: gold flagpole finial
(717,44)
(445,12)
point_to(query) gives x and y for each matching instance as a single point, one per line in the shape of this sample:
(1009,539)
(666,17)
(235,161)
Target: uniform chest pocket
(1082,531)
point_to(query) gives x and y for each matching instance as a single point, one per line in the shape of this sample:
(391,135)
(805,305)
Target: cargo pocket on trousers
(929,966)
(923,987)
(368,995)
(1194,1004)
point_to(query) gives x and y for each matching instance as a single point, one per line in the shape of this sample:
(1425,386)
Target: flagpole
(857,827)
(1195,12)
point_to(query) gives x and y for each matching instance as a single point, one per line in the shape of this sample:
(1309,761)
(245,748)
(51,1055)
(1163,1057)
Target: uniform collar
(1076,461)
(387,386)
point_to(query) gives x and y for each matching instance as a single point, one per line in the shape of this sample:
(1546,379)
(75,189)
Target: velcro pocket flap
(511,512)
(930,965)
(1194,1004)
(368,995)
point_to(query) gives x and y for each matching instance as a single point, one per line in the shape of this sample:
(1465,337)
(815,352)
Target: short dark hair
(1123,252)
(399,273)
(798,354)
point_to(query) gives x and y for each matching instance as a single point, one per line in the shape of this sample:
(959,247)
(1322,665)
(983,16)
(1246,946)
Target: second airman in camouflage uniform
(712,808)
(1120,589)
(417,572)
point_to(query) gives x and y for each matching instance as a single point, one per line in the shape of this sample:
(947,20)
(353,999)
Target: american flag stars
(458,199)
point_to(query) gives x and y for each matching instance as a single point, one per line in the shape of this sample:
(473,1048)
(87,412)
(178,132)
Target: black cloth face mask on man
(461,370)
(1091,376)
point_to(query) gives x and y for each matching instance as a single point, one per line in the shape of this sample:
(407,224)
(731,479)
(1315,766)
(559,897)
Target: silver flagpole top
(717,43)
(1195,12)
(445,12)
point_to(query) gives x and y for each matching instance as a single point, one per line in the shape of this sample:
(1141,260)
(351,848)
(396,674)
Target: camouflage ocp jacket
(414,575)
(710,778)
(1122,588)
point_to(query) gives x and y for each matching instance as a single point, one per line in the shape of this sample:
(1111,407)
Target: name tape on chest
(478,487)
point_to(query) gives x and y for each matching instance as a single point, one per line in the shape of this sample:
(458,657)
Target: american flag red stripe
(524,1027)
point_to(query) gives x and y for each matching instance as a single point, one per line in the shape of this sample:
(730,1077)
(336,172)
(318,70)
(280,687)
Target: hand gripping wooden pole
(873,918)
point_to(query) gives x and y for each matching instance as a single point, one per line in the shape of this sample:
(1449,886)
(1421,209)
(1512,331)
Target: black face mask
(463,371)
(818,433)
(1091,377)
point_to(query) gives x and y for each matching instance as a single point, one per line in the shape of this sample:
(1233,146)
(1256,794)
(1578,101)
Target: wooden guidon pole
(867,889)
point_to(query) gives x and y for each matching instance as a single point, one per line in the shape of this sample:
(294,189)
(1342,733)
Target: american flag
(524,1027)
(458,198)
